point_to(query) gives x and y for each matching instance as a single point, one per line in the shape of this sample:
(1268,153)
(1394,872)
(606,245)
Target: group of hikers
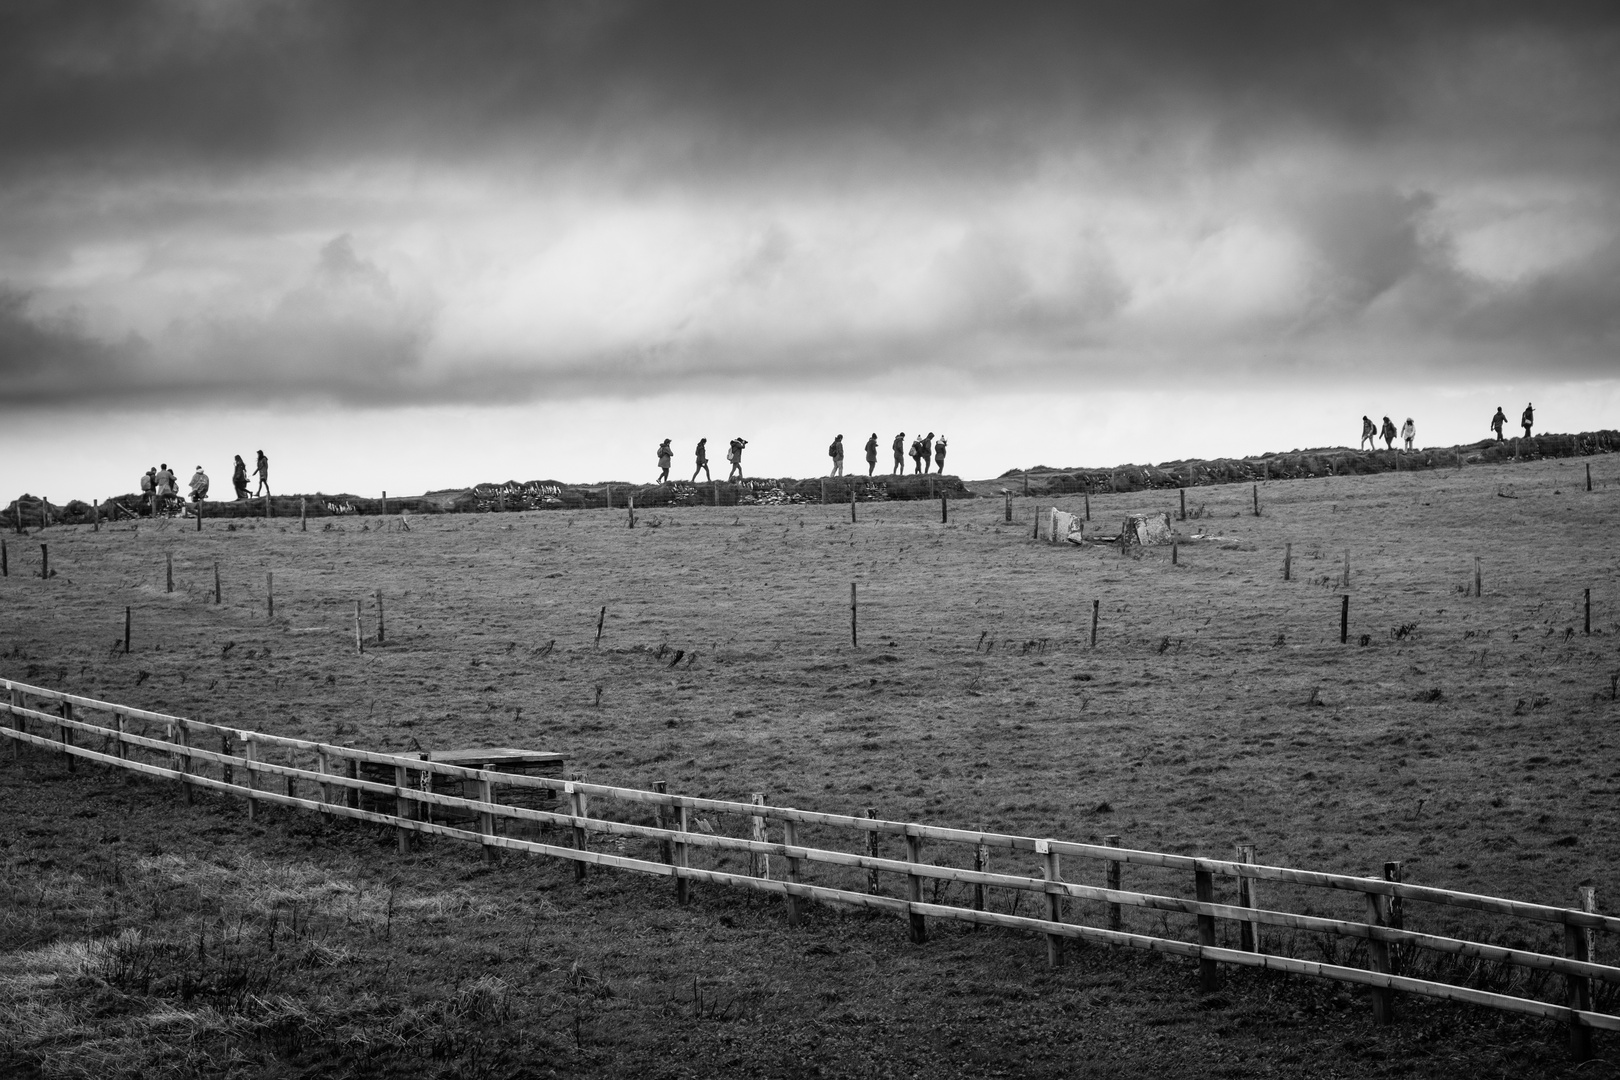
(1370,434)
(925,450)
(1526,420)
(160,492)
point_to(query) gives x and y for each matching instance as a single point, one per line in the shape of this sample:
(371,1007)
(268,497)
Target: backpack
(832,449)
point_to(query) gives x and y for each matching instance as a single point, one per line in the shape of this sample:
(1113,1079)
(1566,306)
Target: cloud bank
(400,204)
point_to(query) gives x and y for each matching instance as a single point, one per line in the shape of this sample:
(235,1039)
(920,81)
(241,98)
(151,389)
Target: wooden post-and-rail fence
(808,867)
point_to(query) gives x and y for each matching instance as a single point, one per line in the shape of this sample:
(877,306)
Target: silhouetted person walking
(871,454)
(916,455)
(927,451)
(1388,432)
(836,452)
(900,453)
(1528,419)
(239,478)
(702,461)
(665,456)
(262,471)
(1408,433)
(1369,434)
(1496,423)
(939,455)
(199,485)
(734,455)
(149,490)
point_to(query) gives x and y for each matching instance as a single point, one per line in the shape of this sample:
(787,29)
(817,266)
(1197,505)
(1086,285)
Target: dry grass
(1473,738)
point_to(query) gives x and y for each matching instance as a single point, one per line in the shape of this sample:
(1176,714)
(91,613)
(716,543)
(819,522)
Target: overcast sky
(642,220)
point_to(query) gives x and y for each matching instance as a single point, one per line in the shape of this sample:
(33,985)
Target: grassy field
(1473,738)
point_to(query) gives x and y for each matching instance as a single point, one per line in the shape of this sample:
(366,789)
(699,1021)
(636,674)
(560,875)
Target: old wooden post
(250,754)
(919,925)
(854,638)
(1054,901)
(121,722)
(216,581)
(852,504)
(872,850)
(577,807)
(1394,911)
(5,560)
(1478,586)
(1006,497)
(303,513)
(1035,533)
(402,834)
(168,573)
(1112,878)
(1344,620)
(359,640)
(790,839)
(1088,505)
(379,617)
(944,509)
(1588,626)
(65,710)
(1383,998)
(600,619)
(183,759)
(666,850)
(269,594)
(45,561)
(1249,931)
(1175,557)
(226,773)
(126,631)
(981,864)
(1578,946)
(95,510)
(1209,976)
(823,491)
(630,505)
(1096,605)
(1256,500)
(1588,476)
(759,863)
(321,767)
(683,885)
(1288,562)
(486,818)
(1183,492)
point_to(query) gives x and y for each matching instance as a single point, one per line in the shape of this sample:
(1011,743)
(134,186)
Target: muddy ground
(1472,738)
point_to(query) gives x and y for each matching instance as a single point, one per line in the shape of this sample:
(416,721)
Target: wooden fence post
(944,509)
(402,835)
(1383,998)
(919,925)
(216,581)
(854,637)
(303,512)
(872,850)
(321,767)
(1344,620)
(1257,500)
(577,807)
(168,574)
(251,754)
(1394,911)
(486,818)
(1288,562)
(95,506)
(1088,505)
(852,504)
(183,758)
(1248,932)
(790,838)
(1479,590)
(1209,976)
(1006,497)
(120,721)
(1588,628)
(65,734)
(1095,607)
(126,630)
(683,885)
(666,851)
(1588,476)
(379,617)
(759,863)
(359,641)
(269,595)
(351,796)
(44,561)
(630,505)
(1578,946)
(1054,902)
(981,864)
(226,773)
(1183,492)
(1112,877)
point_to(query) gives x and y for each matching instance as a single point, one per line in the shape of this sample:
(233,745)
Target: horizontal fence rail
(345,784)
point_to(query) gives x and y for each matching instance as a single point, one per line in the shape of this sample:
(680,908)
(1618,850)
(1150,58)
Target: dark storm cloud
(423,202)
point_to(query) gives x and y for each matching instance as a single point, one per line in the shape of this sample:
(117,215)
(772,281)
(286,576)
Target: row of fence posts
(1381,910)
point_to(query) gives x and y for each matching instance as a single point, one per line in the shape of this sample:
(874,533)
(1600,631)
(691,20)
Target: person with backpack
(927,451)
(836,452)
(1528,419)
(1408,433)
(199,485)
(916,455)
(734,455)
(1496,423)
(899,454)
(665,456)
(1369,434)
(939,456)
(149,490)
(702,461)
(871,454)
(1388,433)
(239,478)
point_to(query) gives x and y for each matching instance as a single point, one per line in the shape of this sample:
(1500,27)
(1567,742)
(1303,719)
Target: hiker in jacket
(1496,423)
(900,453)
(939,455)
(1388,433)
(702,461)
(871,454)
(239,478)
(665,456)
(927,451)
(916,455)
(1369,434)
(1528,418)
(1408,433)
(836,452)
(734,455)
